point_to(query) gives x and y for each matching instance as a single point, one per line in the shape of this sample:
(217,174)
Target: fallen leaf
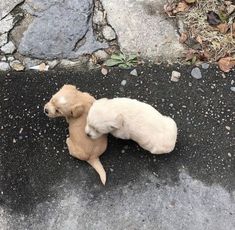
(190,54)
(223,28)
(104,71)
(213,19)
(182,6)
(183,37)
(168,8)
(199,39)
(226,64)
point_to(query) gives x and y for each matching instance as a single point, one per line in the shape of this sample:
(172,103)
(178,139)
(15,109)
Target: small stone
(17,65)
(6,24)
(98,17)
(78,63)
(14,140)
(134,73)
(3,39)
(232,82)
(52,64)
(108,33)
(8,48)
(196,73)
(175,76)
(11,58)
(4,59)
(229,154)
(104,71)
(4,66)
(123,83)
(111,170)
(233,88)
(223,75)
(205,65)
(101,55)
(228,128)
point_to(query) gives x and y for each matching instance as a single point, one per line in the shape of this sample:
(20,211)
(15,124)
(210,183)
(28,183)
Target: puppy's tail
(96,164)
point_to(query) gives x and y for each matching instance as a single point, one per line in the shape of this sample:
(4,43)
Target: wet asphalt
(43,187)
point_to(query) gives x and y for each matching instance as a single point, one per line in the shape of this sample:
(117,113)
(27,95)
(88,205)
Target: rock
(17,65)
(10,58)
(123,83)
(104,71)
(3,39)
(6,24)
(108,33)
(228,128)
(233,88)
(134,72)
(4,58)
(6,6)
(53,64)
(75,63)
(8,48)
(61,29)
(142,27)
(175,76)
(98,17)
(205,65)
(4,66)
(28,62)
(101,55)
(196,73)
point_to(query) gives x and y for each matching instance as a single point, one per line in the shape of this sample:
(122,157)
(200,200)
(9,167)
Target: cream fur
(131,119)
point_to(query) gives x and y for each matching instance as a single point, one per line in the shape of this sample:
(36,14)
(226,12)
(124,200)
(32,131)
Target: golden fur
(74,105)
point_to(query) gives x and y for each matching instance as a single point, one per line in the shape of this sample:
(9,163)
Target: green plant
(121,60)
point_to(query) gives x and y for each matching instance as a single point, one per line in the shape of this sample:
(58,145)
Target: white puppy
(131,119)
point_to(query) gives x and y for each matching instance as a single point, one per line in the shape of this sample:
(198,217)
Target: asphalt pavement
(43,187)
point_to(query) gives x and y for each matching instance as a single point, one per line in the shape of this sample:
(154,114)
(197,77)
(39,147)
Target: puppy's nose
(46,111)
(88,134)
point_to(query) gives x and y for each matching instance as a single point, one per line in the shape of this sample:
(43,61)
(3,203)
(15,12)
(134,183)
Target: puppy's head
(64,103)
(101,120)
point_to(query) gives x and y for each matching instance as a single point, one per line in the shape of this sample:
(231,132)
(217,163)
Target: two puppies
(90,120)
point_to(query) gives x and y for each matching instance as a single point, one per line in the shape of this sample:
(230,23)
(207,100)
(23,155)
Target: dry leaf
(104,71)
(168,8)
(183,37)
(226,64)
(199,39)
(213,19)
(223,28)
(182,6)
(190,54)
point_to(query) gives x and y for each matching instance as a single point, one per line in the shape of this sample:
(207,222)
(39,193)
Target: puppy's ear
(77,110)
(117,123)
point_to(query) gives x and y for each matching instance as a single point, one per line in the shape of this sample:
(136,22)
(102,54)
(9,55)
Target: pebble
(104,71)
(111,170)
(228,128)
(8,48)
(17,65)
(134,72)
(233,88)
(108,33)
(196,73)
(229,154)
(123,83)
(101,55)
(98,17)
(4,66)
(205,65)
(3,39)
(175,76)
(52,64)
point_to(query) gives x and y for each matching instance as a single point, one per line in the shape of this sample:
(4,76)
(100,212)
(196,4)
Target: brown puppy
(74,105)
